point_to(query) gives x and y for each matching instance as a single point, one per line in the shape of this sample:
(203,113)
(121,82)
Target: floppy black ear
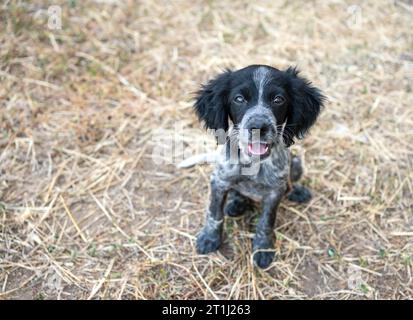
(211,102)
(305,106)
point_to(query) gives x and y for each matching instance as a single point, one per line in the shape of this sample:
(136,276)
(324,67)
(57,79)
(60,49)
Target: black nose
(260,124)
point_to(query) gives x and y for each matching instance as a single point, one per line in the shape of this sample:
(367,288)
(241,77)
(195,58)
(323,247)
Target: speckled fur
(267,187)
(240,176)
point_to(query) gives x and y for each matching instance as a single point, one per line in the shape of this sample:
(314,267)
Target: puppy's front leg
(263,243)
(209,239)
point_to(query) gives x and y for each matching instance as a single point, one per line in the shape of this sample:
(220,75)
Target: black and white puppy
(255,169)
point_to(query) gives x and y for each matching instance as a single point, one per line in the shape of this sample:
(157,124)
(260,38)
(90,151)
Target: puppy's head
(265,104)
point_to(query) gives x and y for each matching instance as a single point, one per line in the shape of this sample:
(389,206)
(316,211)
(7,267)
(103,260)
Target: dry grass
(86,213)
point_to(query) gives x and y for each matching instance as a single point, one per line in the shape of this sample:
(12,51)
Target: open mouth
(259,149)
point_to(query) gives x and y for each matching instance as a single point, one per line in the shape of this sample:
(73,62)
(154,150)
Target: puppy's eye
(239,99)
(278,100)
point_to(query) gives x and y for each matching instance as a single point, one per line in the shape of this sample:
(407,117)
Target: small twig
(97,287)
(72,218)
(205,283)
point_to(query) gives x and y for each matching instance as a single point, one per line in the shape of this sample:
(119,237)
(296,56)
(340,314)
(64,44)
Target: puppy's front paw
(208,241)
(263,248)
(263,259)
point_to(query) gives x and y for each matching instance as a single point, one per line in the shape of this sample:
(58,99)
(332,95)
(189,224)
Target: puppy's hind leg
(296,169)
(236,204)
(299,193)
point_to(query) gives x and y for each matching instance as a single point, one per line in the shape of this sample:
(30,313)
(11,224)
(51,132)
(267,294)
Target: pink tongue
(257,148)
